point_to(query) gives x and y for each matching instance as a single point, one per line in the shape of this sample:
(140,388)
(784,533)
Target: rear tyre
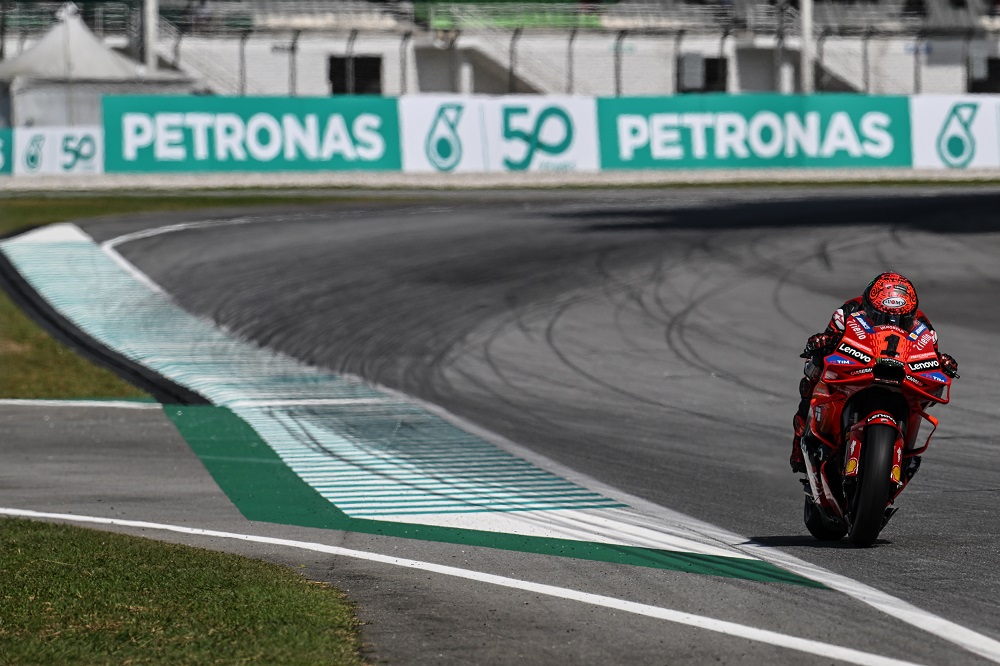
(818,526)
(872,491)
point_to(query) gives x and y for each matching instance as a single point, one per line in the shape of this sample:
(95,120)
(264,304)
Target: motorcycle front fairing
(881,375)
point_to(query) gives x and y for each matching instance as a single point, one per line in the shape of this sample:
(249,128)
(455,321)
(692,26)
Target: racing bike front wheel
(871,494)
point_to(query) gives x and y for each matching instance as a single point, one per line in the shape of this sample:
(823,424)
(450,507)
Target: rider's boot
(796,460)
(799,421)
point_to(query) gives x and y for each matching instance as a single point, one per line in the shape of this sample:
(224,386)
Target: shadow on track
(947,213)
(806,541)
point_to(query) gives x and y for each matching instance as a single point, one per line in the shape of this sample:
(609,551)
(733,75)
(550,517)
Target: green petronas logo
(33,154)
(956,144)
(443,146)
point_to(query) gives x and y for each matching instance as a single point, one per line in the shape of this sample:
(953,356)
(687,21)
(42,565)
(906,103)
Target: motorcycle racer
(889,299)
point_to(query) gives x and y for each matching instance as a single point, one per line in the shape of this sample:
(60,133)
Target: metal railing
(104,18)
(894,16)
(223,17)
(833,16)
(507,16)
(234,17)
(500,45)
(640,17)
(169,46)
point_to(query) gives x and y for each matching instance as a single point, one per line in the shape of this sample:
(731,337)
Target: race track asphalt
(646,338)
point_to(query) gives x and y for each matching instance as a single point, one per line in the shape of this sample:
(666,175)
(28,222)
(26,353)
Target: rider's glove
(821,343)
(949,365)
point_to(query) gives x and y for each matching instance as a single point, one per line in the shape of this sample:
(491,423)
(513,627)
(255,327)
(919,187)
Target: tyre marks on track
(414,466)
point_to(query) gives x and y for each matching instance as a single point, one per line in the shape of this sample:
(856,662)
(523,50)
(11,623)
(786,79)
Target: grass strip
(70,595)
(34,365)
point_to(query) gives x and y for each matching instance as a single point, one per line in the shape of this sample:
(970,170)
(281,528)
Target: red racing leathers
(820,345)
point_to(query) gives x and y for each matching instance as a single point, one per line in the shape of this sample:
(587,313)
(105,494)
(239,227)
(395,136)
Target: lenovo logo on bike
(924,365)
(881,416)
(855,353)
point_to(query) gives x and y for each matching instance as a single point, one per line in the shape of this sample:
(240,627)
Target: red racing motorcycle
(864,416)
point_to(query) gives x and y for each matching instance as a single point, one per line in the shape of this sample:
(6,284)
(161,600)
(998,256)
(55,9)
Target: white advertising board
(951,132)
(49,150)
(462,134)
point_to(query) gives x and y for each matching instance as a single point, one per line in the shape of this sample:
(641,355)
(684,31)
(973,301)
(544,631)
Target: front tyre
(871,495)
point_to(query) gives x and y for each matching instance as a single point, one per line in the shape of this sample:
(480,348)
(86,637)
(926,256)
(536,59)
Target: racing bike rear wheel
(871,495)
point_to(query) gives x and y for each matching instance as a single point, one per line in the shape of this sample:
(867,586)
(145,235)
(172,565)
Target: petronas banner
(58,150)
(6,152)
(956,132)
(754,131)
(510,133)
(453,133)
(184,134)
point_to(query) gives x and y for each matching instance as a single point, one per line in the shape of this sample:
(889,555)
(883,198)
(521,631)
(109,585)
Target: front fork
(819,483)
(855,441)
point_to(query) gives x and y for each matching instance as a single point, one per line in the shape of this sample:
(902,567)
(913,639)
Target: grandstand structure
(323,47)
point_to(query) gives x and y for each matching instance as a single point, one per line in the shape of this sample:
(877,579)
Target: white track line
(825,650)
(109,245)
(170,228)
(265,403)
(116,404)
(963,637)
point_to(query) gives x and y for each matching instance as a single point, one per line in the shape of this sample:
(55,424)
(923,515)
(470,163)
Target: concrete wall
(648,63)
(53,103)
(268,62)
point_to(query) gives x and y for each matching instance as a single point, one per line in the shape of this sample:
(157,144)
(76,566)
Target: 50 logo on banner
(54,150)
(154,133)
(517,126)
(448,133)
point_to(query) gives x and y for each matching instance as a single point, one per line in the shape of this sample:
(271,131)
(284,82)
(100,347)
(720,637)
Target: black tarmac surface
(646,338)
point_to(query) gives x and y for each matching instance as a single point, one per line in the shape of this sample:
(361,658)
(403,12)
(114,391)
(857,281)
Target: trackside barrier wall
(211,134)
(754,131)
(955,132)
(49,150)
(485,134)
(6,152)
(499,134)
